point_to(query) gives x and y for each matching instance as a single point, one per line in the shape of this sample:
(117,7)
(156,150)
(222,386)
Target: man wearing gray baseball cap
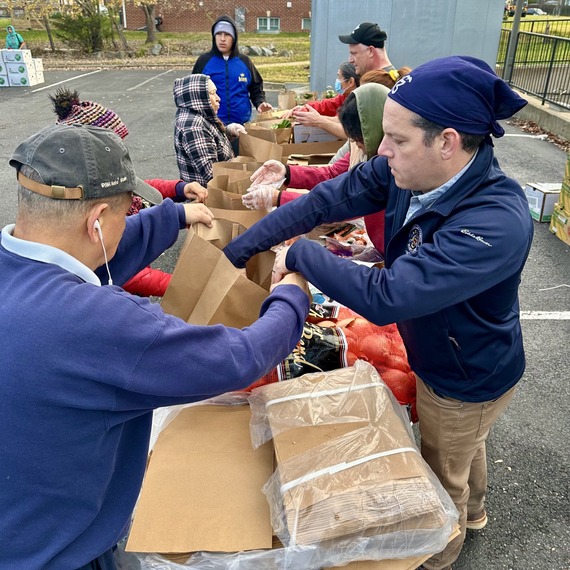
(367,51)
(84,365)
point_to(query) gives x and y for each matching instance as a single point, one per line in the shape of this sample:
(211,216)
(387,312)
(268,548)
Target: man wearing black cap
(366,48)
(84,365)
(457,233)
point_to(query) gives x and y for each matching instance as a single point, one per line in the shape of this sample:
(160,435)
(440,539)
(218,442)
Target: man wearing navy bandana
(458,233)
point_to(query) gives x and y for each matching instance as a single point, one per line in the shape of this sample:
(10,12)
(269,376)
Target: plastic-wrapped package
(347,464)
(346,395)
(372,448)
(335,337)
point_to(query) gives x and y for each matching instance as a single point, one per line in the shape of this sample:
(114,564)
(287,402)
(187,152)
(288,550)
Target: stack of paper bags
(347,464)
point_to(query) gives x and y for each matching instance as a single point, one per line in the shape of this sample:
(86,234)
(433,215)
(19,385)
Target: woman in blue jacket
(238,82)
(458,233)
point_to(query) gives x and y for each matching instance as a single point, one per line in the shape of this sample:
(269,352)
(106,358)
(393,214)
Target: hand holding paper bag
(198,213)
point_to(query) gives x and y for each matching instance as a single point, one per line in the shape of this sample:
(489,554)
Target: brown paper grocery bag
(248,164)
(207,289)
(236,181)
(286,99)
(246,218)
(260,149)
(218,198)
(259,267)
(266,130)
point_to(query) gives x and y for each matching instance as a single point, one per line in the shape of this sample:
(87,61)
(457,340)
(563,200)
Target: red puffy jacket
(152,281)
(308,177)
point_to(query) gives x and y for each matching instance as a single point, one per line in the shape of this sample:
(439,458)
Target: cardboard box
(560,224)
(541,199)
(306,134)
(202,492)
(22,79)
(20,67)
(16,55)
(564,199)
(263,150)
(38,64)
(4,81)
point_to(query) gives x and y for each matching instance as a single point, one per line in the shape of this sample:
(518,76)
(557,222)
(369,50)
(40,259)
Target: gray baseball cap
(79,162)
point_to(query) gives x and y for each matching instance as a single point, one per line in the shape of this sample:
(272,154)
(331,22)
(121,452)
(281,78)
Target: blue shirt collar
(423,200)
(46,254)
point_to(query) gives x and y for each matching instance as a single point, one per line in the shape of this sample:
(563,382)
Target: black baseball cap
(79,162)
(368,34)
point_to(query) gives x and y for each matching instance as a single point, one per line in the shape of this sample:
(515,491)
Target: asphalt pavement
(528,450)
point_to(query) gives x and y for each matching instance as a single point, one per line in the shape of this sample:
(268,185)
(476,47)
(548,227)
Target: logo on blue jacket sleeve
(242,77)
(415,239)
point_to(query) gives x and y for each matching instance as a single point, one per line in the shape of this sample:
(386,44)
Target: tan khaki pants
(453,435)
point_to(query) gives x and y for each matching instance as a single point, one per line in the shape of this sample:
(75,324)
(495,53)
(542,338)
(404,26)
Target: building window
(306,24)
(268,25)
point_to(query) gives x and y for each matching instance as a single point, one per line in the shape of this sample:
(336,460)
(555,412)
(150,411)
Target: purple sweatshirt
(81,369)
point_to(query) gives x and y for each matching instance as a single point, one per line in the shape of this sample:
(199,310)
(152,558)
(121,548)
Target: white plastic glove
(270,172)
(235,129)
(259,197)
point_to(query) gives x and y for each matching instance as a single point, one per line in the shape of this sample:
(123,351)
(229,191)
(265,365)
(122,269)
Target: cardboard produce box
(202,492)
(263,150)
(560,224)
(306,134)
(16,55)
(564,198)
(541,199)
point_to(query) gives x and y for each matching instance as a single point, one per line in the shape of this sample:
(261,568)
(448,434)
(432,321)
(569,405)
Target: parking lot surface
(528,451)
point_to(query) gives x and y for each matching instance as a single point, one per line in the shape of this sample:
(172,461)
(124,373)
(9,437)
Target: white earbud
(97,228)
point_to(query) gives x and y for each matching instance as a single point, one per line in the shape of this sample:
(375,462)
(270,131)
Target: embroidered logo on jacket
(472,235)
(415,239)
(242,77)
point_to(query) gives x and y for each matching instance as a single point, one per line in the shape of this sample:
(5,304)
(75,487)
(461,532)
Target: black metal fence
(541,65)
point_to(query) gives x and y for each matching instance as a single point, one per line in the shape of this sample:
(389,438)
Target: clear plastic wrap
(348,465)
(362,492)
(341,396)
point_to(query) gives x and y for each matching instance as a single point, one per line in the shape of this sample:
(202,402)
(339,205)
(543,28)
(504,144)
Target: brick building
(261,16)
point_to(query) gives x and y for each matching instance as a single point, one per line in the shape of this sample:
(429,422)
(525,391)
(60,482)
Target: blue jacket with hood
(451,276)
(238,82)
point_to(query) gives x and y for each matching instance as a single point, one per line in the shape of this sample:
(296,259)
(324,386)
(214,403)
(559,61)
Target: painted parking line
(66,80)
(545,315)
(539,137)
(149,80)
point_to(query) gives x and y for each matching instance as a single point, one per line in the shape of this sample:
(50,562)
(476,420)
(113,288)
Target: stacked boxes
(560,221)
(19,69)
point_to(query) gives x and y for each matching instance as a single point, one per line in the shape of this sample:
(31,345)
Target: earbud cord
(105,254)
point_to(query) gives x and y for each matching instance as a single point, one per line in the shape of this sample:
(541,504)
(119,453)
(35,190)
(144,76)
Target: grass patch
(179,50)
